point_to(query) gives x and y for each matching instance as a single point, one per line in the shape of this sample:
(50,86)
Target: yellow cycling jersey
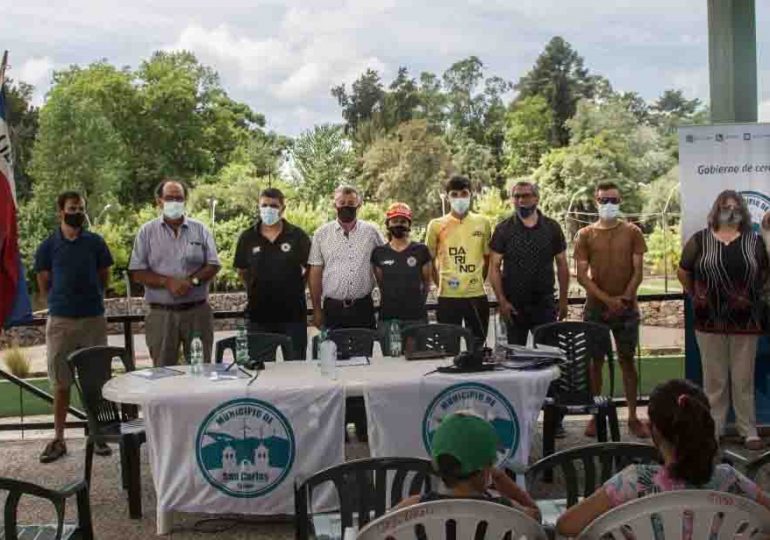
(458,246)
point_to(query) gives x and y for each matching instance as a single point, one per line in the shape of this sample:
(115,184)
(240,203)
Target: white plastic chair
(437,518)
(712,515)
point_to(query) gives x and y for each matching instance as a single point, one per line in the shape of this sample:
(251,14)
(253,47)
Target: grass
(17,362)
(652,371)
(32,405)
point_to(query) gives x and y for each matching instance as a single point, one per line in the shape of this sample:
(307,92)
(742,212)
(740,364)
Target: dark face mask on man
(398,231)
(525,211)
(75,220)
(346,214)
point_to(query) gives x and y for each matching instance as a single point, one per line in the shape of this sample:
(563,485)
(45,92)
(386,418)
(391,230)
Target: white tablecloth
(198,456)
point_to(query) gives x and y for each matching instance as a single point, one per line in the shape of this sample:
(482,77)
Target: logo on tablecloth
(245,448)
(757,204)
(485,402)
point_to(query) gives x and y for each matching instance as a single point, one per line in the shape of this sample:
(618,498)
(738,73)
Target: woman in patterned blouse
(723,270)
(683,433)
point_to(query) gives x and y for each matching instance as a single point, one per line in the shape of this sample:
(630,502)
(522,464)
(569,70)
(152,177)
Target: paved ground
(652,337)
(109,504)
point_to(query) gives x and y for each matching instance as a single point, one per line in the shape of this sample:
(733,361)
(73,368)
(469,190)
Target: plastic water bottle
(328,356)
(394,338)
(242,345)
(196,355)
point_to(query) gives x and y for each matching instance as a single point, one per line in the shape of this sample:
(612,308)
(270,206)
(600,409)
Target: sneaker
(591,428)
(53,451)
(753,443)
(639,429)
(101,449)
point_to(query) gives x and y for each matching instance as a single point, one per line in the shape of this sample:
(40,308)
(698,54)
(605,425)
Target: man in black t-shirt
(527,244)
(271,258)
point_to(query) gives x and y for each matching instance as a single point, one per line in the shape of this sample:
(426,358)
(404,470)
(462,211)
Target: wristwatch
(195,281)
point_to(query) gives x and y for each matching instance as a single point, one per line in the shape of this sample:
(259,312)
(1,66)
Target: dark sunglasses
(609,200)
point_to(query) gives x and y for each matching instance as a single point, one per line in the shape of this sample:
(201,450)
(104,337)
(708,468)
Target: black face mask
(346,214)
(398,231)
(525,211)
(75,220)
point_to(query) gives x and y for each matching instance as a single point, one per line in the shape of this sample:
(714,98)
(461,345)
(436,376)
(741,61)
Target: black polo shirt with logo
(401,293)
(528,258)
(275,283)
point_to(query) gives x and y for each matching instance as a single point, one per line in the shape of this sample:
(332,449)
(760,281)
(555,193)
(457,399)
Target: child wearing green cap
(464,451)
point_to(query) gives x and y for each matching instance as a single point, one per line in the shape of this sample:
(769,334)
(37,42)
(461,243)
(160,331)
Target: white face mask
(461,204)
(173,209)
(269,215)
(609,211)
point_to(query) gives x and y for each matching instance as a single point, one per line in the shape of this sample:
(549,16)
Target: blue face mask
(460,204)
(525,211)
(269,216)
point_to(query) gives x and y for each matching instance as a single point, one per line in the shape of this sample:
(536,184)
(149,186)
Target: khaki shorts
(65,335)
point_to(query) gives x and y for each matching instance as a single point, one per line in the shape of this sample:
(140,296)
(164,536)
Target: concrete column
(732,60)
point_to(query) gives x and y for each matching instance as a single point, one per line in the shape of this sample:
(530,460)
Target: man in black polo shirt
(527,244)
(271,258)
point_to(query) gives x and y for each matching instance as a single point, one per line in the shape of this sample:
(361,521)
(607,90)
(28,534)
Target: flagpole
(3,66)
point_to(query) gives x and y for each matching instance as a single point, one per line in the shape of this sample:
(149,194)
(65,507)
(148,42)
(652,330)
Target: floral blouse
(639,480)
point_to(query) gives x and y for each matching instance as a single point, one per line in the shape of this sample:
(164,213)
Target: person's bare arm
(315,282)
(148,278)
(485,269)
(575,519)
(496,280)
(504,485)
(206,273)
(562,274)
(43,281)
(377,275)
(614,303)
(636,279)
(409,501)
(104,277)
(427,280)
(244,275)
(685,278)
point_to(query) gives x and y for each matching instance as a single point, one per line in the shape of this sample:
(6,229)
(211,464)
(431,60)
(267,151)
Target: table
(300,389)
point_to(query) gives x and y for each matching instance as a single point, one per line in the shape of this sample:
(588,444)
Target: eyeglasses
(609,200)
(518,196)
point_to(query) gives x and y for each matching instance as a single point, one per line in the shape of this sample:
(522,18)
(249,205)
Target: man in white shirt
(341,279)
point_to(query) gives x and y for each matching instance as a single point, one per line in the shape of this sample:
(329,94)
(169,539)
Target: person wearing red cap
(403,270)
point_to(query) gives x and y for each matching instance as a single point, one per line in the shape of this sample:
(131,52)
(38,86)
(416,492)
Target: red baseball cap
(399,210)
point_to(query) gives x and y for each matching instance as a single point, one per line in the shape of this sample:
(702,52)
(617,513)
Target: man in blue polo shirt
(73,267)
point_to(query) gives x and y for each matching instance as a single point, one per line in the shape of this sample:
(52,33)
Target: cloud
(37,72)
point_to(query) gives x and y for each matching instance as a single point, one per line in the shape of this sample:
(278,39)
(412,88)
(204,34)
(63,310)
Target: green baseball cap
(469,439)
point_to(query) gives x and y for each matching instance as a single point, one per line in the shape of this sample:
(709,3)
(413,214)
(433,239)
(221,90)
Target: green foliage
(661,191)
(560,77)
(226,235)
(77,148)
(22,118)
(322,159)
(664,248)
(408,166)
(527,134)
(491,204)
(473,159)
(36,221)
(308,217)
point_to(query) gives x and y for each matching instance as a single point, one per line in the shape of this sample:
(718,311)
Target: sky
(283,57)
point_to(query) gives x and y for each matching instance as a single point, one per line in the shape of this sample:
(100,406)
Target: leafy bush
(491,205)
(17,362)
(664,248)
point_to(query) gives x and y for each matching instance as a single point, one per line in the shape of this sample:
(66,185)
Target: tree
(22,123)
(363,100)
(472,159)
(527,134)
(408,165)
(560,77)
(321,159)
(401,101)
(77,148)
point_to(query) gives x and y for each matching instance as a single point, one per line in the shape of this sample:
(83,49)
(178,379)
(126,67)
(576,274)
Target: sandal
(101,449)
(53,451)
(753,443)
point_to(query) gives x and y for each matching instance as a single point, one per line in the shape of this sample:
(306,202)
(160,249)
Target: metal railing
(128,322)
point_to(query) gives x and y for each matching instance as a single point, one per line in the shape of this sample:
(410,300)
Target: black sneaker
(53,451)
(101,449)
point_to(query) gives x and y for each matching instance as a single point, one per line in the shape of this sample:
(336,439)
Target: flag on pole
(14,300)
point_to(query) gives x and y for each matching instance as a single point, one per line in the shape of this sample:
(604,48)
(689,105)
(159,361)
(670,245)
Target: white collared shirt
(345,258)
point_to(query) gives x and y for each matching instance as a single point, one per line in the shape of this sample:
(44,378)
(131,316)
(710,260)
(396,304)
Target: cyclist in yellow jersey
(459,244)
